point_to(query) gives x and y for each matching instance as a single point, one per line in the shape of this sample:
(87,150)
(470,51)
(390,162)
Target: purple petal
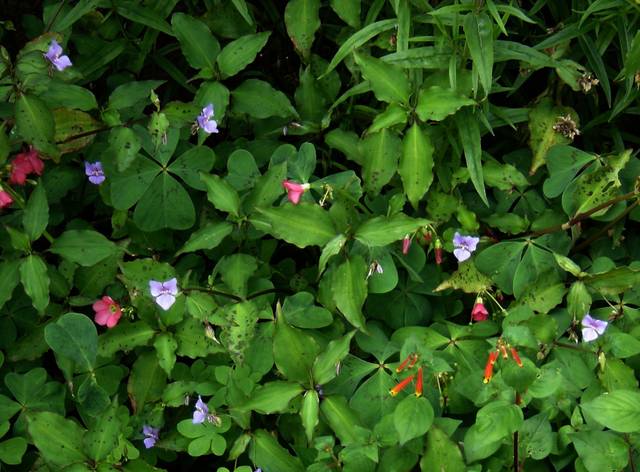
(210,127)
(593,323)
(202,121)
(207,111)
(470,242)
(165,301)
(202,406)
(589,334)
(96,179)
(148,430)
(156,288)
(457,239)
(149,442)
(461,254)
(171,286)
(54,50)
(62,62)
(198,417)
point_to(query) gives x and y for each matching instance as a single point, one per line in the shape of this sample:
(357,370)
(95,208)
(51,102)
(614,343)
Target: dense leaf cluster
(356,235)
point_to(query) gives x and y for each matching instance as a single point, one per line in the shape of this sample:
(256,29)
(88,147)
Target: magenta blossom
(205,121)
(295,190)
(164,292)
(5,199)
(151,435)
(94,172)
(592,328)
(54,56)
(464,246)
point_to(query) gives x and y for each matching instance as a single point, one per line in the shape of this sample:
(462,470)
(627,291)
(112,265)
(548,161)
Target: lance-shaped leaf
(293,351)
(84,247)
(542,119)
(380,152)
(35,280)
(165,204)
(309,413)
(469,132)
(349,288)
(388,82)
(198,45)
(207,237)
(383,230)
(436,103)
(241,52)
(260,100)
(272,397)
(266,451)
(478,31)
(416,164)
(412,418)
(34,121)
(325,367)
(124,337)
(302,20)
(223,196)
(304,224)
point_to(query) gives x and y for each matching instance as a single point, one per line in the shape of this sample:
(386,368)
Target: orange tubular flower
(419,383)
(411,358)
(516,357)
(401,386)
(503,348)
(488,368)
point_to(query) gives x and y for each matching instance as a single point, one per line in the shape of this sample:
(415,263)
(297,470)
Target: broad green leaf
(416,164)
(388,82)
(623,345)
(124,337)
(235,271)
(240,53)
(494,422)
(395,114)
(536,436)
(124,144)
(103,437)
(243,9)
(348,11)
(300,311)
(412,418)
(500,262)
(166,346)
(302,20)
(302,225)
(601,450)
(241,325)
(84,247)
(342,419)
(325,367)
(74,14)
(35,280)
(349,288)
(331,249)
(272,397)
(12,450)
(467,278)
(129,186)
(563,163)
(436,103)
(441,453)
(266,451)
(469,133)
(503,176)
(259,99)
(207,237)
(75,337)
(380,152)
(60,94)
(9,279)
(309,413)
(130,94)
(384,230)
(294,351)
(223,196)
(71,123)
(165,204)
(535,263)
(216,94)
(34,121)
(618,410)
(268,187)
(144,15)
(632,59)
(198,45)
(36,214)
(189,165)
(59,440)
(146,382)
(8,408)
(478,31)
(542,119)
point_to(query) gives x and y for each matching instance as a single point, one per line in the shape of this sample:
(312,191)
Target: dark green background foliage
(512,120)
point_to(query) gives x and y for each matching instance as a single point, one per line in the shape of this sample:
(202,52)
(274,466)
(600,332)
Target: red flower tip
(401,386)
(438,251)
(406,244)
(479,312)
(295,190)
(488,368)
(516,357)
(419,383)
(108,312)
(408,363)
(24,164)
(5,199)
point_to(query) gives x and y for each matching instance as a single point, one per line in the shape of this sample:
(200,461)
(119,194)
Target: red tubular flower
(414,359)
(479,312)
(295,190)
(516,357)
(5,199)
(488,368)
(438,251)
(419,383)
(401,386)
(108,312)
(404,363)
(406,244)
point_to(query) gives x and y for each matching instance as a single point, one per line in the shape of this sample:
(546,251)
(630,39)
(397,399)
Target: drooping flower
(5,199)
(408,363)
(419,383)
(516,357)
(592,328)
(23,164)
(205,121)
(94,171)
(406,244)
(201,412)
(108,312)
(488,368)
(54,55)
(164,292)
(464,246)
(151,435)
(401,386)
(479,312)
(295,190)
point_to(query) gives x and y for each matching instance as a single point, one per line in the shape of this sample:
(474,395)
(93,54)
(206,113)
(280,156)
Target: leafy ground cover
(340,235)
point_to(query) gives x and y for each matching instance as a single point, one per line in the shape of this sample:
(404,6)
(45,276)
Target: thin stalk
(597,235)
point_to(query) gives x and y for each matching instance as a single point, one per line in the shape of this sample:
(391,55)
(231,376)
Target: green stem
(213,292)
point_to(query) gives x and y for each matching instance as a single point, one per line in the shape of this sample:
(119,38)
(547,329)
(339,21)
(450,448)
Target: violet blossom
(54,55)
(205,121)
(592,328)
(464,246)
(151,435)
(164,292)
(94,171)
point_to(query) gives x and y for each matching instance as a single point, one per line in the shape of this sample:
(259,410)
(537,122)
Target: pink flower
(294,190)
(406,244)
(5,199)
(24,164)
(479,312)
(108,312)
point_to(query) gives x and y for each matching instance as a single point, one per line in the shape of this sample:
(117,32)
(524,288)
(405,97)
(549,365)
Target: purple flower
(164,292)
(54,56)
(205,122)
(94,172)
(592,328)
(201,413)
(464,246)
(150,435)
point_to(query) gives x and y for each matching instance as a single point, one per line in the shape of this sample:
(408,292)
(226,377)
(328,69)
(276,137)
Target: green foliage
(344,235)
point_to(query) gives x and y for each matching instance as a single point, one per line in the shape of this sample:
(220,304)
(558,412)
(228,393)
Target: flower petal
(461,254)
(156,288)
(589,334)
(165,301)
(171,286)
